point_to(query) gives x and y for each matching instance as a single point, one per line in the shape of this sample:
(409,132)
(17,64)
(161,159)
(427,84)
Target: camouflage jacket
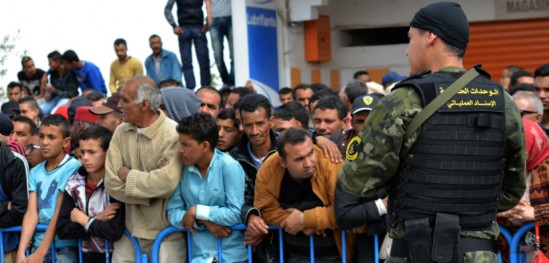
(375,159)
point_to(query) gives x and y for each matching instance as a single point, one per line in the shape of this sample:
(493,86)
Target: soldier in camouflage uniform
(467,161)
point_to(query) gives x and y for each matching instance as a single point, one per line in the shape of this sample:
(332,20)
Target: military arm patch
(353,148)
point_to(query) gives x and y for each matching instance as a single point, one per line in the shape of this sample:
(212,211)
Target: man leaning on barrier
(466,162)
(295,190)
(210,194)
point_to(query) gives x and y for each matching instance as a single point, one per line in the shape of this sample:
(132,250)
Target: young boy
(46,180)
(87,211)
(210,194)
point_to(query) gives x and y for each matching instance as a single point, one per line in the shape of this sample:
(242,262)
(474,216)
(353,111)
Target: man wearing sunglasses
(33,153)
(530,107)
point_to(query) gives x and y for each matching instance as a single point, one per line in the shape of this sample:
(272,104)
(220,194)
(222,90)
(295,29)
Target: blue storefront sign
(263,49)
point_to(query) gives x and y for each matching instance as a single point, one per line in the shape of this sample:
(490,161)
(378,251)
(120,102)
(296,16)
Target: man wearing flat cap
(110,115)
(450,173)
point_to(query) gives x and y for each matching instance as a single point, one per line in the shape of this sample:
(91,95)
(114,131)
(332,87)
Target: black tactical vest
(456,165)
(189,12)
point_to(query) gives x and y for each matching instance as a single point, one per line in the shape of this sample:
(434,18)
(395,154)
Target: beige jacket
(148,187)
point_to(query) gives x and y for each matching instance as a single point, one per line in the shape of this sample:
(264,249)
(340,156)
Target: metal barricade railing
(508,237)
(514,245)
(39,228)
(81,252)
(171,229)
(140,257)
(43,227)
(512,239)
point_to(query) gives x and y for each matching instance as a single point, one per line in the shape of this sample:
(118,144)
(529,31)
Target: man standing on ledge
(192,30)
(465,163)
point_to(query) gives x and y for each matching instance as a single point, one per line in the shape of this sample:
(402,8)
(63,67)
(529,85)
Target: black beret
(445,19)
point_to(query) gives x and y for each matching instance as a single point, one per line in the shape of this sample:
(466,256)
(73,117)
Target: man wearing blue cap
(449,166)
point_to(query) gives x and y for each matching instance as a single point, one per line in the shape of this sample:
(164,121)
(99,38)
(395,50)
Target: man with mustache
(295,190)
(162,64)
(257,143)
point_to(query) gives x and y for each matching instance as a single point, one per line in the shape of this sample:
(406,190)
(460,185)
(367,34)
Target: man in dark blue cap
(450,173)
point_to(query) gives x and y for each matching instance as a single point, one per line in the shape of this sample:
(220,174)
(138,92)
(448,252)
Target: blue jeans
(62,255)
(49,107)
(223,27)
(194,34)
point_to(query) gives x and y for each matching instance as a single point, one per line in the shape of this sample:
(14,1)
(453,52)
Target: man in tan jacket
(143,170)
(295,190)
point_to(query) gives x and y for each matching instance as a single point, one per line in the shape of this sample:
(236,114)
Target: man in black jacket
(13,190)
(257,143)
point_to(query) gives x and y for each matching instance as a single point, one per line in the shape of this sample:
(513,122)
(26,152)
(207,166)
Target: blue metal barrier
(39,228)
(376,247)
(171,229)
(140,257)
(80,252)
(344,246)
(508,237)
(240,227)
(42,228)
(515,242)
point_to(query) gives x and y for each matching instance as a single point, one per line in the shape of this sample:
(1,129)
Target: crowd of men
(156,154)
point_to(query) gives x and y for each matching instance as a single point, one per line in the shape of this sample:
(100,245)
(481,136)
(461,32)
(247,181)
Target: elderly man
(143,170)
(529,105)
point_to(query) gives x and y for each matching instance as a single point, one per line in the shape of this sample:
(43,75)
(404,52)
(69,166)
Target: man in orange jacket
(295,190)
